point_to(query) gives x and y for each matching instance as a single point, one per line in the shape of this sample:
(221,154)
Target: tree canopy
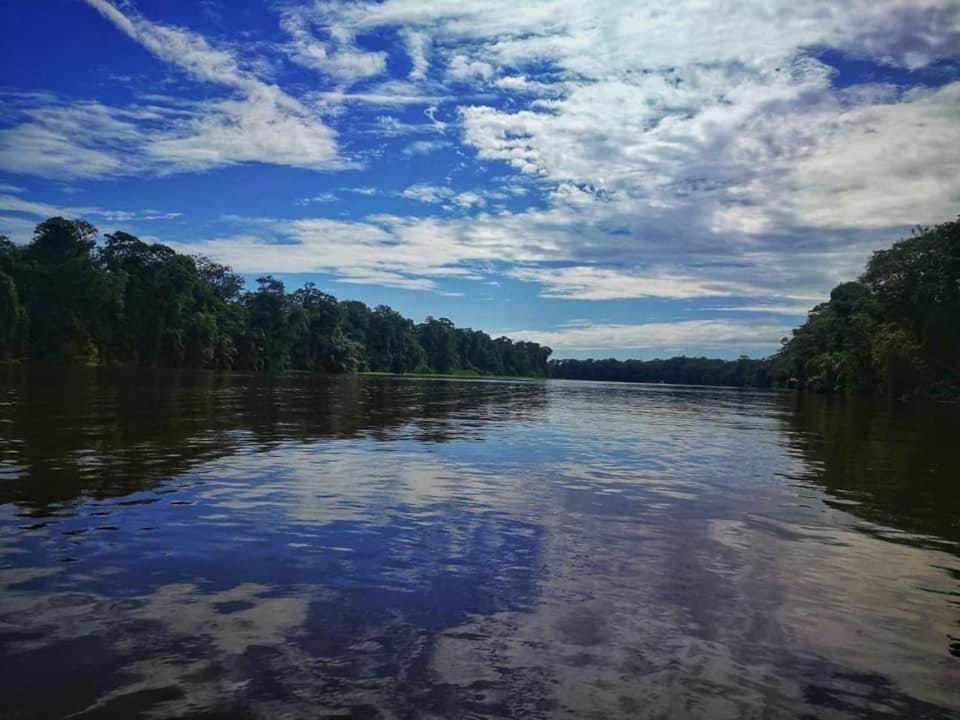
(893,331)
(64,298)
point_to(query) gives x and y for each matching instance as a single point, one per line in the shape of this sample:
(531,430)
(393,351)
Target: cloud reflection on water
(389,549)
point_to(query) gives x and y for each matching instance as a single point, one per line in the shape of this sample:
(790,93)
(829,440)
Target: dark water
(231,546)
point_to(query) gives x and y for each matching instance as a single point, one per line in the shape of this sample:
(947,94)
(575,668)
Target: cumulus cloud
(730,158)
(469,199)
(463,68)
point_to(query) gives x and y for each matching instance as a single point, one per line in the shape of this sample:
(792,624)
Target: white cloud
(266,126)
(259,123)
(387,279)
(12,203)
(593,283)
(67,142)
(17,229)
(418,46)
(469,199)
(495,243)
(463,68)
(608,36)
(428,193)
(385,95)
(389,247)
(425,147)
(882,164)
(42,210)
(706,334)
(321,198)
(728,160)
(436,194)
(797,309)
(338,57)
(159,215)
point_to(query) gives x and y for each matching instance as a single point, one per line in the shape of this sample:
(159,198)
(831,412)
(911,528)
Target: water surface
(178,544)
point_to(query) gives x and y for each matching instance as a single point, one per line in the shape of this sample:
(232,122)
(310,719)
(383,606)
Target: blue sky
(610,178)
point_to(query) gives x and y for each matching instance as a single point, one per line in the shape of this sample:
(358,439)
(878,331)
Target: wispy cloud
(21,229)
(664,336)
(258,122)
(418,47)
(321,198)
(425,147)
(796,309)
(593,283)
(336,55)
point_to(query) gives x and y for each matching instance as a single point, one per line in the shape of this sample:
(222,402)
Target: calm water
(233,546)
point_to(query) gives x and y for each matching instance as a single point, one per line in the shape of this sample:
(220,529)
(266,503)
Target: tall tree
(73,301)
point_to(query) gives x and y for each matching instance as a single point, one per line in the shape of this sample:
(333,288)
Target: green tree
(441,347)
(72,300)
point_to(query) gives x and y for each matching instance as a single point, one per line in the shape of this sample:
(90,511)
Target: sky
(613,178)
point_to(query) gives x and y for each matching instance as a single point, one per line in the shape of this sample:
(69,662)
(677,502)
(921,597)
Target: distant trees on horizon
(65,299)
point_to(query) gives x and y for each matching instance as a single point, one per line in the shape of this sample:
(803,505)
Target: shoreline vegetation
(66,298)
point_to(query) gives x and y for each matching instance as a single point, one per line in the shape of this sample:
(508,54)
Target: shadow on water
(896,465)
(89,432)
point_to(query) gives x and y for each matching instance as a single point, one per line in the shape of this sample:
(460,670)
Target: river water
(184,544)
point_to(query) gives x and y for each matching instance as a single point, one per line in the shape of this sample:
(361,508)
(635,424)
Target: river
(194,544)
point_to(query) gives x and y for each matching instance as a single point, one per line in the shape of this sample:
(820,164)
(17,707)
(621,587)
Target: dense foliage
(66,299)
(895,330)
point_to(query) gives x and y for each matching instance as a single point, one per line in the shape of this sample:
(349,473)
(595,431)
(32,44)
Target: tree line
(680,370)
(894,331)
(66,299)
